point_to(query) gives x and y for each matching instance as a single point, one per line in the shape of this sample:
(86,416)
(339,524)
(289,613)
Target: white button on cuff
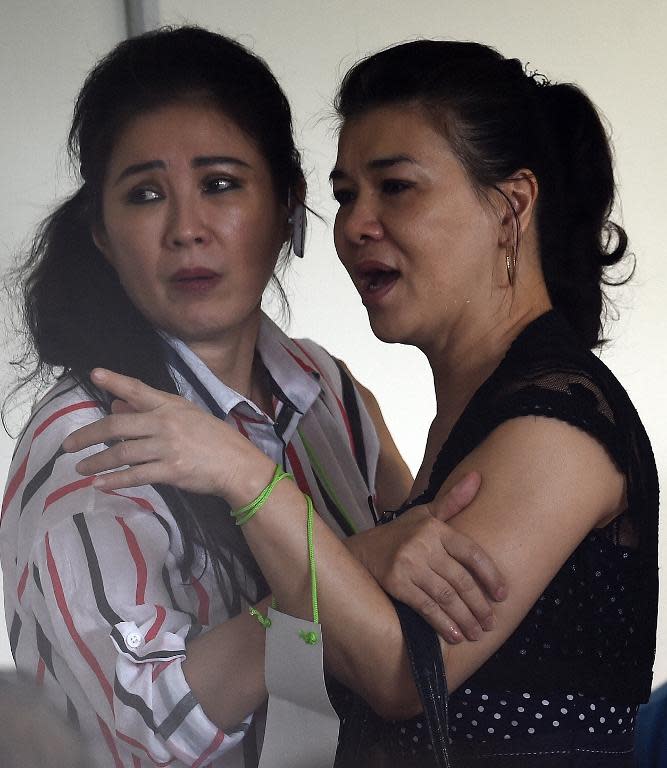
(133,639)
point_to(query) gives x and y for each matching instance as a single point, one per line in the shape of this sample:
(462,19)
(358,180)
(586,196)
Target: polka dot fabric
(481,717)
(484,716)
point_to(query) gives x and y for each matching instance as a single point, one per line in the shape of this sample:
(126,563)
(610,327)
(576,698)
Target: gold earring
(510,262)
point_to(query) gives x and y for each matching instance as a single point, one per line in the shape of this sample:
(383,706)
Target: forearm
(225,669)
(362,637)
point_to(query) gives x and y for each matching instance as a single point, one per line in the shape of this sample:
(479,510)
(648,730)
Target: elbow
(395,699)
(397,706)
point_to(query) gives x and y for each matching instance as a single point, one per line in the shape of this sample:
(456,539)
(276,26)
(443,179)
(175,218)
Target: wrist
(248,479)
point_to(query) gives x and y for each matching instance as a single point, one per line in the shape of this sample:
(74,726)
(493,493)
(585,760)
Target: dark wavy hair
(498,119)
(76,313)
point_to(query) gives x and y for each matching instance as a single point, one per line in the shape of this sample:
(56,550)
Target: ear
(520,191)
(101,241)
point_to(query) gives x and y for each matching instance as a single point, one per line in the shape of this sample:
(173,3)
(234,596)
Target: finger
(143,474)
(422,602)
(109,429)
(453,604)
(134,392)
(120,406)
(450,503)
(476,562)
(121,454)
(460,595)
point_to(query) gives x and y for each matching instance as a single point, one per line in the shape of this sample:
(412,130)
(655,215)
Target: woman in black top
(474,221)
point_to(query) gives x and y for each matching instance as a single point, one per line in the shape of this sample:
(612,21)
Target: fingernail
(455,636)
(501,593)
(474,635)
(99,374)
(490,623)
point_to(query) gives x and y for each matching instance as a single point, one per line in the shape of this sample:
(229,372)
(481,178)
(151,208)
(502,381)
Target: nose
(186,226)
(359,221)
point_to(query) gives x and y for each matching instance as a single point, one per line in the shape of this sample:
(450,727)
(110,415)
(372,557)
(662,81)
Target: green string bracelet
(246,513)
(310,637)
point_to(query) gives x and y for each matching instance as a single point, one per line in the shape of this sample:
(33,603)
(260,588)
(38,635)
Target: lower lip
(196,287)
(373,297)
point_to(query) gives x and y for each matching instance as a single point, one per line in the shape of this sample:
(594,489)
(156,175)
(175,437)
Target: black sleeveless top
(581,660)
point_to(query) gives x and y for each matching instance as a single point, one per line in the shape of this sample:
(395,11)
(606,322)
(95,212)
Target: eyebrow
(374,165)
(200,162)
(197,162)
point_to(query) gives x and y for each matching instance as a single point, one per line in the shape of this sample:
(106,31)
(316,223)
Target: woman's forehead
(389,132)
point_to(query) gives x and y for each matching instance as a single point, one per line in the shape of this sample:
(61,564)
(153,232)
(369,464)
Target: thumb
(449,503)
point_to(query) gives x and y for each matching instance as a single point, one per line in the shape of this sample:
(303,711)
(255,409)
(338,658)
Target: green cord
(248,511)
(265,621)
(309,637)
(311,558)
(321,475)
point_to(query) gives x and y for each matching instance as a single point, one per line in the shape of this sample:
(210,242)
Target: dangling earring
(297,221)
(510,262)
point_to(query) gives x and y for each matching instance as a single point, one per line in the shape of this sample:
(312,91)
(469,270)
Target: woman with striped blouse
(126,606)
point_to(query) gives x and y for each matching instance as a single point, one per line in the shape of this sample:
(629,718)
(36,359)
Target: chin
(387,332)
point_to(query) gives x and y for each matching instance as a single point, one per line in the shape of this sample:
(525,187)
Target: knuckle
(401,559)
(429,608)
(465,582)
(446,595)
(122,451)
(432,526)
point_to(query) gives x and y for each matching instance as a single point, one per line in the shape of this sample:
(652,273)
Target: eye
(216,184)
(395,186)
(142,195)
(342,195)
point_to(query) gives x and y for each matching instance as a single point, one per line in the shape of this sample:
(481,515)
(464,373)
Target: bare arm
(546,484)
(421,560)
(224,668)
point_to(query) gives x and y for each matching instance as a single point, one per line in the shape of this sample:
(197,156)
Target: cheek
(339,240)
(133,269)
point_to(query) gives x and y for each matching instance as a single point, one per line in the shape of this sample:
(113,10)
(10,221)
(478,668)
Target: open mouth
(379,279)
(374,279)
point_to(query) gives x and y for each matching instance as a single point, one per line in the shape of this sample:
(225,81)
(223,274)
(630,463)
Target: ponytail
(578,241)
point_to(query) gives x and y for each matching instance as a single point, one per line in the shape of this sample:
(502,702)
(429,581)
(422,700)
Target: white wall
(614,50)
(46,48)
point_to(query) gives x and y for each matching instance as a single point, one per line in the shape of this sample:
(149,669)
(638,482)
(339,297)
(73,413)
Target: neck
(472,351)
(231,357)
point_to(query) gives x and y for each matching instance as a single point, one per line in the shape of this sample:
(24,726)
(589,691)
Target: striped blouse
(98,609)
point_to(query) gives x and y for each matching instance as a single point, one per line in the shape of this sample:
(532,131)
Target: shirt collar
(291,379)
